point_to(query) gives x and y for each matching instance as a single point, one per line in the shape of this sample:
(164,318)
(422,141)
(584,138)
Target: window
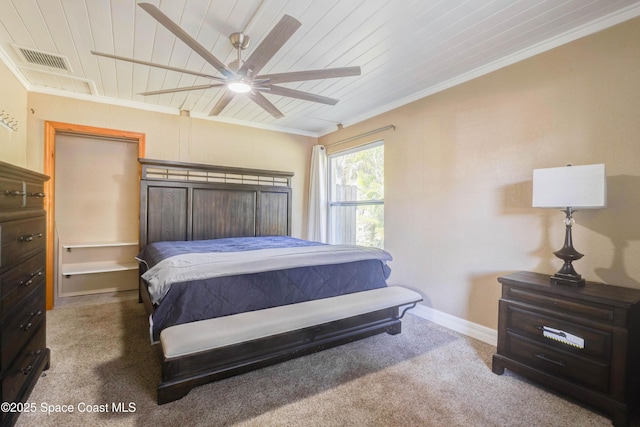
(356,196)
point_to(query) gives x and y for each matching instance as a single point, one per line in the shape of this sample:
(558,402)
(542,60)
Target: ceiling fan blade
(185,37)
(180,89)
(291,93)
(259,99)
(299,76)
(151,64)
(227,96)
(276,38)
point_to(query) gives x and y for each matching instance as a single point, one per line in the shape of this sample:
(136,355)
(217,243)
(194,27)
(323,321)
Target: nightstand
(581,341)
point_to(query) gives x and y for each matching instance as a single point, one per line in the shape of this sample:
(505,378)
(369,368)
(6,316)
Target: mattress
(193,297)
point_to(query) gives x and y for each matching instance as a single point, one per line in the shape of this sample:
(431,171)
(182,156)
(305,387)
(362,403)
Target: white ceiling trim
(572,35)
(14,70)
(133,104)
(167,110)
(255,125)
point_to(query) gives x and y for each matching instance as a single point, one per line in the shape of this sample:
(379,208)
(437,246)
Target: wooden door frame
(51,129)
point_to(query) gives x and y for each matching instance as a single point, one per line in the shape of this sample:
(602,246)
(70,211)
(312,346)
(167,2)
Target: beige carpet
(426,376)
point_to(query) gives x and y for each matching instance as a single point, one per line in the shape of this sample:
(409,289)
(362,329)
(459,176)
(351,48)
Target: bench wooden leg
(394,329)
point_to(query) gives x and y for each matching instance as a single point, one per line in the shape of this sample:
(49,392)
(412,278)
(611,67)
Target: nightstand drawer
(592,374)
(588,311)
(597,343)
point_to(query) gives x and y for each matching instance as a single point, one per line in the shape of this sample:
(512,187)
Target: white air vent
(44,59)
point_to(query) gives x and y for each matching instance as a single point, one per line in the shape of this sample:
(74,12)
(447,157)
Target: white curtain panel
(318,196)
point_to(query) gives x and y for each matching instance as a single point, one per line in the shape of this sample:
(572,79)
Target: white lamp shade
(583,187)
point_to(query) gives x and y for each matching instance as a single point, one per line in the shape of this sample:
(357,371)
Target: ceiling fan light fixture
(239,86)
(243,76)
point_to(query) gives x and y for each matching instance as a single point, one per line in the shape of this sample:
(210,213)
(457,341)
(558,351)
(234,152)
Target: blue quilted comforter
(221,296)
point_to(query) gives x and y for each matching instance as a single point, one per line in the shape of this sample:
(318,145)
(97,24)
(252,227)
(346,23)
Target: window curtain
(318,196)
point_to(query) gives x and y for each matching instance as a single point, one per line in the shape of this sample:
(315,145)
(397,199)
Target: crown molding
(166,110)
(14,70)
(562,39)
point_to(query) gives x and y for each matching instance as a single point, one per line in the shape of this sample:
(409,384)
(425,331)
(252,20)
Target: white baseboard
(479,332)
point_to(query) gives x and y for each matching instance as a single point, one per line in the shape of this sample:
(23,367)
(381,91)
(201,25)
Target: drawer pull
(39,194)
(551,331)
(29,281)
(562,336)
(26,326)
(29,237)
(28,369)
(15,193)
(546,359)
(25,371)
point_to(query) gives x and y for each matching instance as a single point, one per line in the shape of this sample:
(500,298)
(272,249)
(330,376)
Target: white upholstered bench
(209,350)
(190,338)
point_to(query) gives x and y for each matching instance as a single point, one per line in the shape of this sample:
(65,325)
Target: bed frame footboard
(202,352)
(181,375)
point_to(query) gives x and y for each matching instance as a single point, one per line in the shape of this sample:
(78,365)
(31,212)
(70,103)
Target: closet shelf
(70,246)
(97,267)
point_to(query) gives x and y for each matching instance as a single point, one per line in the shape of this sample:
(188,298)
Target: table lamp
(569,188)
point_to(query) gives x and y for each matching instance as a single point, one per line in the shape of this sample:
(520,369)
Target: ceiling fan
(242,77)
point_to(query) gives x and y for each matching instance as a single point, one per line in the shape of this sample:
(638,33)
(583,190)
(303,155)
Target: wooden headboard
(187,201)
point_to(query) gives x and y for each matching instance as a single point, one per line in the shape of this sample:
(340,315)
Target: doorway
(52,131)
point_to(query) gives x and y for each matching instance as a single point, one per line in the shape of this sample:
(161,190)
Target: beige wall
(173,137)
(13,100)
(458,173)
(458,167)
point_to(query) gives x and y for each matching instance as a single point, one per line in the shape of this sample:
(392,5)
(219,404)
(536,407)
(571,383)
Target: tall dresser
(23,351)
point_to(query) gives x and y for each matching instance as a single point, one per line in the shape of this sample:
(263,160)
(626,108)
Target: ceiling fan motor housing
(239,40)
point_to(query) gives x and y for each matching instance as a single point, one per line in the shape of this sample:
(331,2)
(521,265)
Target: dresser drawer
(20,239)
(19,328)
(12,194)
(589,373)
(25,366)
(589,311)
(34,195)
(16,283)
(520,319)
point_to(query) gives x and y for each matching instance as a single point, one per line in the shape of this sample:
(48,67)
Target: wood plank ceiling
(406,49)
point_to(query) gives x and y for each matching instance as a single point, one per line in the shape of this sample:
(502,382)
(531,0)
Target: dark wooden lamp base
(564,280)
(567,276)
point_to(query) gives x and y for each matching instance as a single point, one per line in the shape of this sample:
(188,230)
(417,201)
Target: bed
(228,290)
